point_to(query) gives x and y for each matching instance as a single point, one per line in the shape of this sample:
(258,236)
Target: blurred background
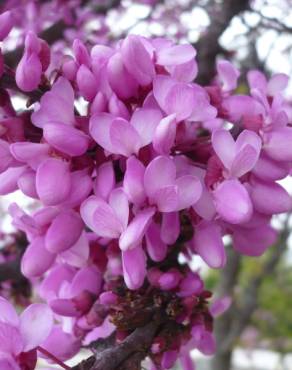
(256,332)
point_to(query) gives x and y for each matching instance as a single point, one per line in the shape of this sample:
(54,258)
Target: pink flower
(19,337)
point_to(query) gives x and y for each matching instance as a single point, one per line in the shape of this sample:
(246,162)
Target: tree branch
(208,46)
(127,355)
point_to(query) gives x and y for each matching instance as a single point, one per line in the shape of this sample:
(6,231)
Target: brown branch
(126,355)
(10,270)
(208,46)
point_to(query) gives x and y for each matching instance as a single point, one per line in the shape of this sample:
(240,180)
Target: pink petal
(166,199)
(145,122)
(176,54)
(28,72)
(189,191)
(191,284)
(99,128)
(64,307)
(105,180)
(59,274)
(164,136)
(224,146)
(8,314)
(170,227)
(186,72)
(86,82)
(180,100)
(64,231)
(87,279)
(187,362)
(30,153)
(228,74)
(168,359)
(257,80)
(70,344)
(8,363)
(133,180)
(120,80)
(156,248)
(119,203)
(269,170)
(134,267)
(101,218)
(81,186)
(219,306)
(270,198)
(205,206)
(247,137)
(118,108)
(6,159)
(232,202)
(61,97)
(161,87)
(36,251)
(124,138)
(277,84)
(36,323)
(66,138)
(278,144)
(6,24)
(205,341)
(160,173)
(137,60)
(254,242)
(208,244)
(11,341)
(135,231)
(78,254)
(53,182)
(26,183)
(202,109)
(9,178)
(244,161)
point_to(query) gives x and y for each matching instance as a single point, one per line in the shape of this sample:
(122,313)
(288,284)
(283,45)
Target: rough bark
(208,46)
(126,355)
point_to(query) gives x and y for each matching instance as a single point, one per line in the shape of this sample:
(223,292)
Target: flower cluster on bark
(154,170)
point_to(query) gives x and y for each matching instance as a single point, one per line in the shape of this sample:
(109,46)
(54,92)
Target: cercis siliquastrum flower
(158,167)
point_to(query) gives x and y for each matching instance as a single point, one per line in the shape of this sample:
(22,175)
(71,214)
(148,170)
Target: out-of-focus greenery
(273,318)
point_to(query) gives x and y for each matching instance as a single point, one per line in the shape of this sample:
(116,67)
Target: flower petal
(189,191)
(124,138)
(66,138)
(53,182)
(64,231)
(133,180)
(156,248)
(208,243)
(101,218)
(135,231)
(134,267)
(232,202)
(145,122)
(160,173)
(36,323)
(36,251)
(224,146)
(270,198)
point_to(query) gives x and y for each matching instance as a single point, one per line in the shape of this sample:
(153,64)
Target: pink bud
(6,23)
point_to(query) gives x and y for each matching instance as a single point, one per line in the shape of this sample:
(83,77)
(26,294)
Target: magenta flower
(19,337)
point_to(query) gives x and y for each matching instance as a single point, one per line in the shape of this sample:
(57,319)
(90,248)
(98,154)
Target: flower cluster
(157,167)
